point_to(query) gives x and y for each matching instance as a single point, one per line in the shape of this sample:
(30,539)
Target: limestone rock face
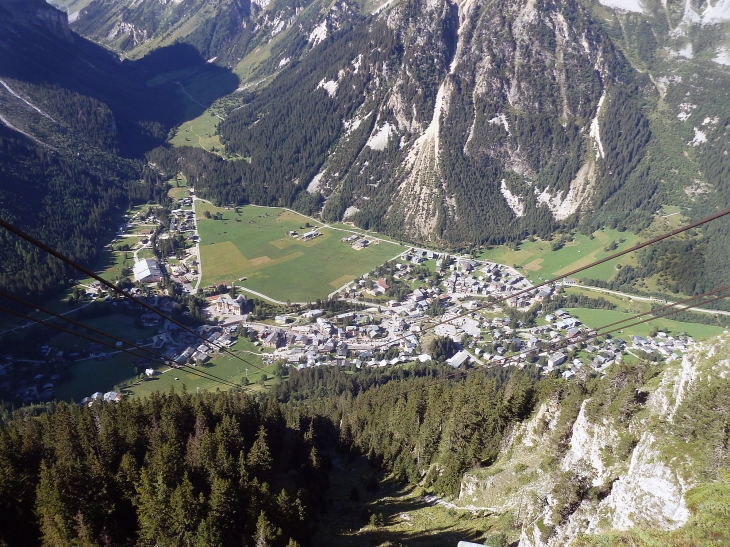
(643,484)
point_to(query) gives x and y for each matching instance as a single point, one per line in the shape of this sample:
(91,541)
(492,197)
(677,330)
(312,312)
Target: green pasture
(90,376)
(224,367)
(623,303)
(200,132)
(178,193)
(598,318)
(536,259)
(110,265)
(254,243)
(146,253)
(123,327)
(143,229)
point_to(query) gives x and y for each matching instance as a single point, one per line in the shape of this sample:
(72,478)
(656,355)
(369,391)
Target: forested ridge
(72,206)
(222,469)
(173,470)
(76,123)
(228,469)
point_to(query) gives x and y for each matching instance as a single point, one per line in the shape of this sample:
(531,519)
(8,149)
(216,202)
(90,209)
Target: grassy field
(538,262)
(199,132)
(111,264)
(178,193)
(90,375)
(146,253)
(224,367)
(598,318)
(254,244)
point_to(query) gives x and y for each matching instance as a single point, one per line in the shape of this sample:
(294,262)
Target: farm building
(147,271)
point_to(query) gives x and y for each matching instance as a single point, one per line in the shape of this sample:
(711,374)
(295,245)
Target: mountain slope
(455,123)
(74,123)
(461,123)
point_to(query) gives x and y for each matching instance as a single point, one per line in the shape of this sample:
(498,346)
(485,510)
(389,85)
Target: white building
(459,359)
(147,271)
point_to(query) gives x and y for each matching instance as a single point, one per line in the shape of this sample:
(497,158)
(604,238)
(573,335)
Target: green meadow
(199,132)
(538,262)
(218,373)
(254,243)
(91,375)
(598,318)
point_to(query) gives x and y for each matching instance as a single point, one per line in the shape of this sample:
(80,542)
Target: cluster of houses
(663,344)
(190,350)
(419,256)
(491,280)
(182,220)
(108,397)
(461,291)
(185,272)
(357,241)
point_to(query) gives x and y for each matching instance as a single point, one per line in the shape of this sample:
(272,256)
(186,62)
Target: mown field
(254,243)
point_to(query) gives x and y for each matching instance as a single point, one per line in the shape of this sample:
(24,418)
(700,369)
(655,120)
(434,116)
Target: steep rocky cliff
(626,460)
(458,122)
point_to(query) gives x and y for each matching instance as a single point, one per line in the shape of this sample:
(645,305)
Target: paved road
(261,295)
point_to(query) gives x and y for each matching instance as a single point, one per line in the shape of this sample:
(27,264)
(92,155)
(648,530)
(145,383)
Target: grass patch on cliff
(370,508)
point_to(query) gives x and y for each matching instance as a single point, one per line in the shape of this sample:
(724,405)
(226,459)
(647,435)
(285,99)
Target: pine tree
(185,513)
(264,531)
(259,459)
(223,512)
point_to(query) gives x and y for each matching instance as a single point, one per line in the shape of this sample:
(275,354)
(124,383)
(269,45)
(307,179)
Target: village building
(230,306)
(556,360)
(147,271)
(459,359)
